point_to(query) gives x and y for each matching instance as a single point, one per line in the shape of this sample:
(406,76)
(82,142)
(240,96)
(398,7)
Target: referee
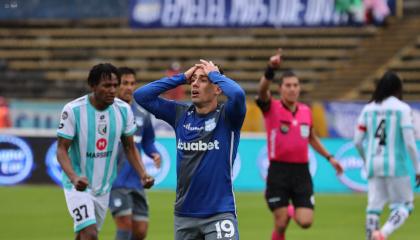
(289,132)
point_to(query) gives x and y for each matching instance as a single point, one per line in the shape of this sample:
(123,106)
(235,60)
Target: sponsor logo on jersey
(192,128)
(102,128)
(61,125)
(65,115)
(98,154)
(101,144)
(209,125)
(16,160)
(354,175)
(198,146)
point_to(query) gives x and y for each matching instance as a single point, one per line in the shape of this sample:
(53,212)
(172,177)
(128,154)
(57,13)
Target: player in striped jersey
(207,141)
(386,124)
(88,136)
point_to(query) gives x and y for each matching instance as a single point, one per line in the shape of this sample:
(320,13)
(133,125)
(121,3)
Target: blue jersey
(206,144)
(144,137)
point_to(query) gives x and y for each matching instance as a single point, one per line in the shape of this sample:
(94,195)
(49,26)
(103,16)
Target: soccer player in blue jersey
(207,138)
(89,133)
(128,202)
(386,123)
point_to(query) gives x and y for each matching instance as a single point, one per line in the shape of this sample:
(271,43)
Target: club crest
(209,125)
(102,129)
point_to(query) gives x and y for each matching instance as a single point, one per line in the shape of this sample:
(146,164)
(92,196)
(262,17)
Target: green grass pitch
(39,212)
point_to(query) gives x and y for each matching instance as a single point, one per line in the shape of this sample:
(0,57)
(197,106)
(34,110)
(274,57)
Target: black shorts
(289,181)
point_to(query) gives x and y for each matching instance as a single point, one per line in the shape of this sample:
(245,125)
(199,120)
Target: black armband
(269,73)
(329,157)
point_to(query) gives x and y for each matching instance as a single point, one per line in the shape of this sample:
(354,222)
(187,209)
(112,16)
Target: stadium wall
(30,158)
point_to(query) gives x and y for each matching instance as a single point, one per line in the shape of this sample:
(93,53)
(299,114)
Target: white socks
(372,224)
(395,220)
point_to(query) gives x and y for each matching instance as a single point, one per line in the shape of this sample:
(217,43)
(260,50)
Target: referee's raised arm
(264,94)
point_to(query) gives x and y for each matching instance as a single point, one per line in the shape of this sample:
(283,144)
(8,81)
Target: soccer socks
(123,235)
(372,224)
(277,236)
(291,211)
(395,220)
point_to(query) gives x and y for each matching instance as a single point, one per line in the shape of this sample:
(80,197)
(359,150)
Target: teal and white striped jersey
(383,125)
(95,137)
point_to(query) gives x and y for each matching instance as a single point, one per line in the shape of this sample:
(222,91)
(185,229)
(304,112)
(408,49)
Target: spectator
(177,93)
(4,114)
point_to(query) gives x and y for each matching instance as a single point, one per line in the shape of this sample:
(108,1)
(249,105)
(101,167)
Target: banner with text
(242,13)
(32,160)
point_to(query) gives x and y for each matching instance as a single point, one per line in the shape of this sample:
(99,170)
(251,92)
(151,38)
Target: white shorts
(396,191)
(86,209)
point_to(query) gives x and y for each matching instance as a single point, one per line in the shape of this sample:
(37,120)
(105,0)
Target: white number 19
(225,226)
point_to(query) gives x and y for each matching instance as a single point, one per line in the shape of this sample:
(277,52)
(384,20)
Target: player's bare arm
(317,145)
(63,145)
(134,158)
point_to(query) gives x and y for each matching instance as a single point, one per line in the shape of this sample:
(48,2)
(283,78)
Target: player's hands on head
(156,159)
(275,60)
(189,73)
(147,181)
(207,66)
(80,183)
(337,166)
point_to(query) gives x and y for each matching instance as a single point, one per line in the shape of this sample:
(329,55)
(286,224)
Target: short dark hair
(389,85)
(100,71)
(126,71)
(221,71)
(286,74)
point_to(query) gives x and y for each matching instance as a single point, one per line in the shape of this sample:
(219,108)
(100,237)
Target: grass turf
(39,212)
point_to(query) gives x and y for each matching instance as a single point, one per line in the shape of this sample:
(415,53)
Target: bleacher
(407,64)
(51,59)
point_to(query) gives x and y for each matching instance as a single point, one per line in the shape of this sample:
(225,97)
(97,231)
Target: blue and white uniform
(127,195)
(95,138)
(206,145)
(389,133)
(144,137)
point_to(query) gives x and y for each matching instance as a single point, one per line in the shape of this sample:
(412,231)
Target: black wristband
(329,157)
(269,73)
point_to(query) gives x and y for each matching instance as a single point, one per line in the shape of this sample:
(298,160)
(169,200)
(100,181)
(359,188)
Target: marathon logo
(198,146)
(98,154)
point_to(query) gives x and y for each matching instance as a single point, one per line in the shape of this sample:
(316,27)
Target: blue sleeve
(148,139)
(148,97)
(236,105)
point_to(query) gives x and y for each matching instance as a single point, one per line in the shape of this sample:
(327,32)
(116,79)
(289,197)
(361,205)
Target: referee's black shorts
(289,181)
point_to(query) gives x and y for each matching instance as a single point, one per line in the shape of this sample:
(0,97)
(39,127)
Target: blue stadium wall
(32,160)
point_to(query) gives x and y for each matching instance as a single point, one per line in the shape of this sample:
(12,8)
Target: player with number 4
(387,125)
